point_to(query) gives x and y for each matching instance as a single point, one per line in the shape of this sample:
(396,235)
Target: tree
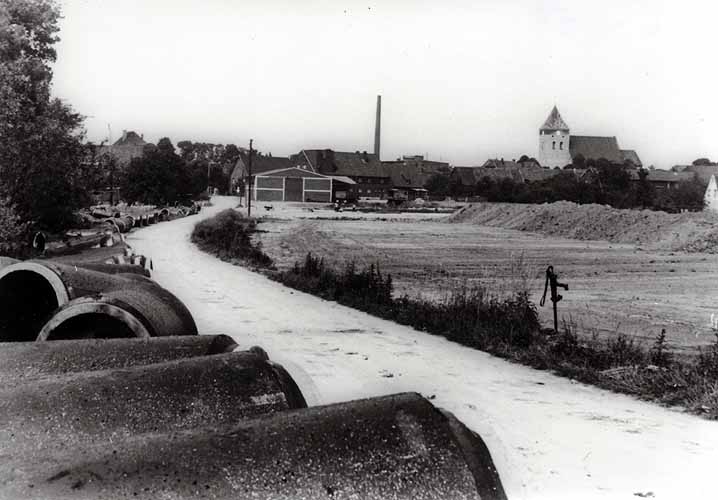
(162,177)
(42,157)
(645,192)
(702,161)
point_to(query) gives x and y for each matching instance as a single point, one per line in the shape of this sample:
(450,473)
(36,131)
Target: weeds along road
(549,437)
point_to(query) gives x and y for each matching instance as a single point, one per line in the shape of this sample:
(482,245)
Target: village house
(663,179)
(358,175)
(558,148)
(130,145)
(466,178)
(410,174)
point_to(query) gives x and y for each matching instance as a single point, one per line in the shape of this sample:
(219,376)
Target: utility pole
(249,183)
(112,167)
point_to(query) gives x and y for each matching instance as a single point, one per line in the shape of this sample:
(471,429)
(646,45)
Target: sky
(461,81)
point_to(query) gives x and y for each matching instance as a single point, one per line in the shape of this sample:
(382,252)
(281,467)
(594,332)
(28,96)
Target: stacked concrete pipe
(47,300)
(397,447)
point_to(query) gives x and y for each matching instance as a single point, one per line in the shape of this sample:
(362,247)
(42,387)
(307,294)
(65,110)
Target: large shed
(292,184)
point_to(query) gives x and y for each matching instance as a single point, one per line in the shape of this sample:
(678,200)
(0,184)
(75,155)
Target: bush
(14,234)
(470,316)
(228,236)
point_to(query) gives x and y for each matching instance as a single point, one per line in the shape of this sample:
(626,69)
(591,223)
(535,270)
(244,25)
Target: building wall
(290,188)
(371,187)
(554,148)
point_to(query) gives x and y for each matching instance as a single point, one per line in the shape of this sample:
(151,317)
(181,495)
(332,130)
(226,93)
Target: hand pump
(552,281)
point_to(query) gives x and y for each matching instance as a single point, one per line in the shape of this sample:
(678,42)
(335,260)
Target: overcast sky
(460,80)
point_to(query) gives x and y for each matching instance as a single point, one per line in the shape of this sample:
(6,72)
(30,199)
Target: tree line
(598,181)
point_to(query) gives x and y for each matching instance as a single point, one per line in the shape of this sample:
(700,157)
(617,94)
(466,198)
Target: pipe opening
(91,326)
(27,300)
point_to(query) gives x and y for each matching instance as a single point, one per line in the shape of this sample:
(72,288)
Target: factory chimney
(377,129)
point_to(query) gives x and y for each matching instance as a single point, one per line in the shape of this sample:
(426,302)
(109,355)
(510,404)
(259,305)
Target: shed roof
(292,172)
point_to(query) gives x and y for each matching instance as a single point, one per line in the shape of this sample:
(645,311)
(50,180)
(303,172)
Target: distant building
(410,174)
(703,172)
(292,184)
(558,148)
(130,145)
(663,179)
(468,177)
(501,163)
(368,177)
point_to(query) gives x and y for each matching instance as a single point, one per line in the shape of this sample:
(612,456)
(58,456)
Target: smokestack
(377,129)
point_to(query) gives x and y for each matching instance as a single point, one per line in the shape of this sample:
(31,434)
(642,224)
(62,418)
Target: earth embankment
(690,231)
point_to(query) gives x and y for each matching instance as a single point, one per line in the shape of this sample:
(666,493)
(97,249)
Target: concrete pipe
(31,291)
(141,308)
(22,362)
(395,447)
(132,268)
(7,261)
(129,221)
(46,416)
(121,225)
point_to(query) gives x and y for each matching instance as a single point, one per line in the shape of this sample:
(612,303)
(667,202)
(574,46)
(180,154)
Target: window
(554,144)
(560,146)
(368,191)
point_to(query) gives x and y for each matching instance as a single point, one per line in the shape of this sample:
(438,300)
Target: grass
(227,235)
(508,326)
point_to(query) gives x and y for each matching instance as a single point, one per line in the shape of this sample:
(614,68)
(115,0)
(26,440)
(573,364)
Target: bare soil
(614,288)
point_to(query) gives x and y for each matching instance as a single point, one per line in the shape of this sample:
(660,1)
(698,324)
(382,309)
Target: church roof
(632,156)
(554,121)
(594,147)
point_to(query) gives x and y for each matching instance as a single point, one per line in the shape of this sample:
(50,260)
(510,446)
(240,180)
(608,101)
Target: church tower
(554,141)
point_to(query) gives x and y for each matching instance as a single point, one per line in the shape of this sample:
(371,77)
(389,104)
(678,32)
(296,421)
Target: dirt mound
(693,232)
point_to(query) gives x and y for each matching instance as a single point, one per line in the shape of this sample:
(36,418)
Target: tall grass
(508,326)
(227,235)
(470,316)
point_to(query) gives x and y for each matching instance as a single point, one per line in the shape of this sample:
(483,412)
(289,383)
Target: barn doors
(293,189)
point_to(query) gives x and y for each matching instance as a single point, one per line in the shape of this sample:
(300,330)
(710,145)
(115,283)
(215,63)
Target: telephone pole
(249,183)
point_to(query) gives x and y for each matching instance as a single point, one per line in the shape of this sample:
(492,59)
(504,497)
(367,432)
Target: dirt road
(549,437)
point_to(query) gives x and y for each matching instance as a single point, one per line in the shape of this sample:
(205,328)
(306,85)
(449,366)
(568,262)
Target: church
(558,148)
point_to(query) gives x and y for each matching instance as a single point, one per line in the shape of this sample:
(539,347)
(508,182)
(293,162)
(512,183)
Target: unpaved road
(550,437)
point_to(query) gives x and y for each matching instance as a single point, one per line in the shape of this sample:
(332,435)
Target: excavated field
(614,287)
(689,232)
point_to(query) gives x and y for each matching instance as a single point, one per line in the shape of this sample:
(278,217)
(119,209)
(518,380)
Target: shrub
(228,236)
(470,316)
(14,234)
